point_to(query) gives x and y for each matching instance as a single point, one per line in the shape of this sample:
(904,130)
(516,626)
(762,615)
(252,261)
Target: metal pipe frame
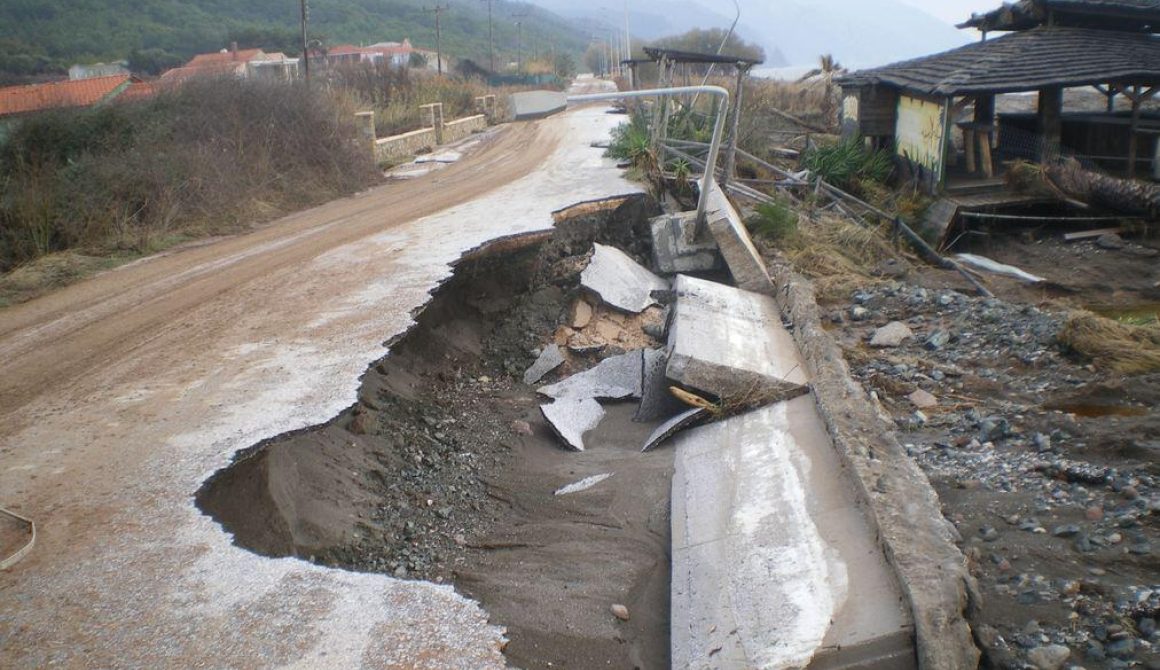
(722,95)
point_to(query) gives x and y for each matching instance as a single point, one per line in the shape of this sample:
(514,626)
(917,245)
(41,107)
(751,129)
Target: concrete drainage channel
(498,447)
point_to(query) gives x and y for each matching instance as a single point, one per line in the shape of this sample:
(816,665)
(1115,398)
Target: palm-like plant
(828,69)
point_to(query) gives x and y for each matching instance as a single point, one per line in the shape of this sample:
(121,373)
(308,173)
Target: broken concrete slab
(676,248)
(673,426)
(570,418)
(582,485)
(619,280)
(774,565)
(549,359)
(615,378)
(744,261)
(731,344)
(656,401)
(527,105)
(892,334)
(447,157)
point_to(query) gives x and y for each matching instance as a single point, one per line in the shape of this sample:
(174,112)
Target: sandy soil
(446,470)
(120,395)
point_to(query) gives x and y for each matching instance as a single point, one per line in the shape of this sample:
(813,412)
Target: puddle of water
(1141,314)
(1096,411)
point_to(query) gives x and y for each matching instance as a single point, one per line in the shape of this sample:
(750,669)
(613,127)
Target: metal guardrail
(714,146)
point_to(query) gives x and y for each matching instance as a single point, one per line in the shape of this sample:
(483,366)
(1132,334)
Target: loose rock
(891,335)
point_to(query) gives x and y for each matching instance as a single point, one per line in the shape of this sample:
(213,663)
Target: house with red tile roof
(30,99)
(240,63)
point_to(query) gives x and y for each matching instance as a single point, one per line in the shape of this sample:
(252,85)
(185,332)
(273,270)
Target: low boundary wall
(404,146)
(456,130)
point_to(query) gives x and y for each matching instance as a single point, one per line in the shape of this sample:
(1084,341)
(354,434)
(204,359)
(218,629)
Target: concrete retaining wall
(453,131)
(405,145)
(918,541)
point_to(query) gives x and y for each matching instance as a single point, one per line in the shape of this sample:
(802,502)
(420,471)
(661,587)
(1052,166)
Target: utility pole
(305,51)
(437,10)
(490,36)
(520,41)
(627,32)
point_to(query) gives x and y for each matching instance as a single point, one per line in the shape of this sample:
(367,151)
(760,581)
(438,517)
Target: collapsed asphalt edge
(901,505)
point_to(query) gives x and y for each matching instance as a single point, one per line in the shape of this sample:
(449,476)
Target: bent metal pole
(718,130)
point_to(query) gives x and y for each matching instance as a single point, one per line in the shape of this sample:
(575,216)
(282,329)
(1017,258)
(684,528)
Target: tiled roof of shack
(1129,15)
(1043,57)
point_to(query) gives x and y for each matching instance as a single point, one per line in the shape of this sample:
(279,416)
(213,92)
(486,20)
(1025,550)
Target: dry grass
(837,254)
(1125,348)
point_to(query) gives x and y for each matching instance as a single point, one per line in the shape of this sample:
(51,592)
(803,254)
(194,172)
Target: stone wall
(453,131)
(404,146)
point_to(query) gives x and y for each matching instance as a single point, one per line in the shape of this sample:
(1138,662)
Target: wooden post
(969,147)
(1134,133)
(731,152)
(1050,122)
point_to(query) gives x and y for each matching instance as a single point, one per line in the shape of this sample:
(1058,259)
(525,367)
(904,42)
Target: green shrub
(631,142)
(773,221)
(847,162)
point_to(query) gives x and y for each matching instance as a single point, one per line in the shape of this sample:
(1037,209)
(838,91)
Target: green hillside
(46,36)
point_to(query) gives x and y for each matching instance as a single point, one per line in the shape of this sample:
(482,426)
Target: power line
(438,10)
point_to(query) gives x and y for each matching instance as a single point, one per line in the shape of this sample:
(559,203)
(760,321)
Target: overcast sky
(952,11)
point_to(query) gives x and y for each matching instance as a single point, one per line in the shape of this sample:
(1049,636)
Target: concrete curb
(919,543)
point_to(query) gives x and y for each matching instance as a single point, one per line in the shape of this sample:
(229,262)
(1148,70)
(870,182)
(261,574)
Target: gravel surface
(1046,465)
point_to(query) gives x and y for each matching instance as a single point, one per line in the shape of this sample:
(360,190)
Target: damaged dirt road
(121,395)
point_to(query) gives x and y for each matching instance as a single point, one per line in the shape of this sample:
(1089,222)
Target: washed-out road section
(121,395)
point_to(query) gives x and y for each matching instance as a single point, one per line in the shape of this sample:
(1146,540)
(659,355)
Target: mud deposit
(445,469)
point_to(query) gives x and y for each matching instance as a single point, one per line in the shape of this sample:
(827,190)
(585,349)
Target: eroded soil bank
(445,469)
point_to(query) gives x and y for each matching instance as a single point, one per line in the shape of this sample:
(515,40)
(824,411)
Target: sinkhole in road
(445,470)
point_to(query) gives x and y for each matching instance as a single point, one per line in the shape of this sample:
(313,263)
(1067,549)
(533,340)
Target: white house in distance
(395,54)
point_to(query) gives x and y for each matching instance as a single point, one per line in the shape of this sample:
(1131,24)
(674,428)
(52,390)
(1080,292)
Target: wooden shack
(924,108)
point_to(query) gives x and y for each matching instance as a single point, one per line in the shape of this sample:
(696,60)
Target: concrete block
(550,359)
(570,418)
(673,426)
(615,378)
(620,281)
(656,401)
(582,485)
(731,343)
(528,105)
(676,248)
(745,263)
(774,565)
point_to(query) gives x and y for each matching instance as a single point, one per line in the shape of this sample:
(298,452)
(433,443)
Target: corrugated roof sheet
(1026,61)
(56,95)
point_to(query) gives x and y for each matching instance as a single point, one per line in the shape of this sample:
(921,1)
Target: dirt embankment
(445,469)
(1045,460)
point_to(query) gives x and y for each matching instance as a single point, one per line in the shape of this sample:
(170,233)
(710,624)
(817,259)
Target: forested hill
(46,36)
